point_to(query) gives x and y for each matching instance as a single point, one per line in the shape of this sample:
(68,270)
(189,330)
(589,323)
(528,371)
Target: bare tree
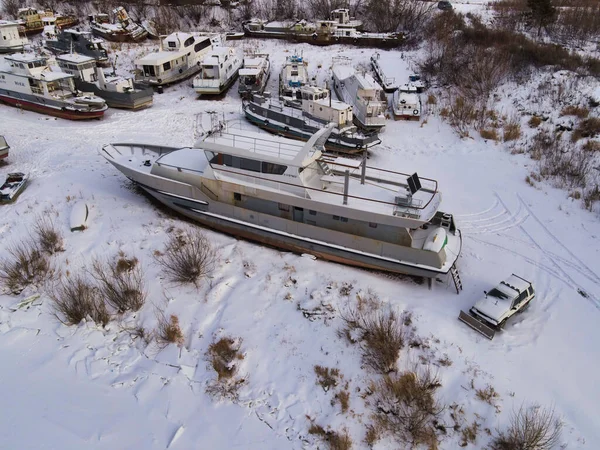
(11,7)
(532,428)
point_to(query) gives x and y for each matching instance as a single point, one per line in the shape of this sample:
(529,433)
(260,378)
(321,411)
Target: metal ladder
(456,278)
(324,167)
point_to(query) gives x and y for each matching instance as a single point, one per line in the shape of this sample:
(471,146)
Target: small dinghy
(13,186)
(79,216)
(436,240)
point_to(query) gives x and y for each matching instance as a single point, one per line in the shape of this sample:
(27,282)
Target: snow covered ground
(88,387)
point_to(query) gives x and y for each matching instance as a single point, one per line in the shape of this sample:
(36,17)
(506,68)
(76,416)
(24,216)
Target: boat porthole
(287,129)
(416,112)
(266,122)
(314,36)
(180,70)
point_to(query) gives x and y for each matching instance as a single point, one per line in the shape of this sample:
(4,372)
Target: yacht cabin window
(252,165)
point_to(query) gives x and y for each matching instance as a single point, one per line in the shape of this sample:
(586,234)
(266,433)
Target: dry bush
(76,299)
(469,434)
(511,130)
(534,122)
(326,377)
(24,264)
(590,197)
(121,284)
(532,428)
(223,354)
(168,330)
(406,407)
(587,128)
(373,434)
(165,20)
(11,7)
(343,397)
(562,161)
(576,111)
(335,440)
(489,134)
(487,395)
(382,337)
(591,146)
(188,258)
(461,113)
(49,237)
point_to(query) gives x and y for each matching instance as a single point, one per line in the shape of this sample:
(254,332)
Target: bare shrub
(343,397)
(406,407)
(121,284)
(587,128)
(49,237)
(576,111)
(373,434)
(326,377)
(76,299)
(511,130)
(461,113)
(25,264)
(562,161)
(223,355)
(168,330)
(335,440)
(532,428)
(590,197)
(188,258)
(534,122)
(591,146)
(487,394)
(489,134)
(382,337)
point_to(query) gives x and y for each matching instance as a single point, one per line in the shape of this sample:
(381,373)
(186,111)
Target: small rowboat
(13,186)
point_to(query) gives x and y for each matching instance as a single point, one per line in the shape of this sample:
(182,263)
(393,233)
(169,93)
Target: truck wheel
(501,325)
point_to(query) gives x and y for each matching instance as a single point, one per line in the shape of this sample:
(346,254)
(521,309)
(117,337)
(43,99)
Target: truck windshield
(496,293)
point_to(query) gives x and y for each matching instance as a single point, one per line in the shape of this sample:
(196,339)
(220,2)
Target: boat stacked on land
(27,82)
(341,30)
(180,56)
(118,92)
(254,75)
(362,92)
(218,70)
(388,84)
(11,39)
(124,30)
(291,196)
(406,103)
(33,21)
(294,75)
(81,42)
(301,119)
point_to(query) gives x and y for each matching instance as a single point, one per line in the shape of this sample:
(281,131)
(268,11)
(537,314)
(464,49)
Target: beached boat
(406,103)
(124,30)
(30,20)
(4,148)
(59,21)
(301,119)
(218,70)
(291,196)
(81,42)
(254,75)
(388,84)
(11,39)
(362,92)
(27,82)
(13,186)
(294,75)
(179,57)
(118,92)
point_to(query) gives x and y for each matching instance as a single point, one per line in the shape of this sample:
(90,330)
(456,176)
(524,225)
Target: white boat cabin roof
(217,54)
(75,58)
(180,49)
(343,71)
(79,32)
(249,72)
(25,58)
(253,62)
(411,99)
(8,24)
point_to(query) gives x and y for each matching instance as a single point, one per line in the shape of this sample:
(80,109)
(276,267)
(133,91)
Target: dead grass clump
(590,197)
(326,377)
(343,397)
(407,408)
(469,434)
(122,288)
(25,264)
(168,331)
(576,111)
(49,237)
(534,122)
(512,130)
(188,258)
(489,134)
(591,146)
(382,337)
(223,354)
(335,440)
(487,395)
(587,128)
(532,428)
(76,299)
(445,361)
(373,434)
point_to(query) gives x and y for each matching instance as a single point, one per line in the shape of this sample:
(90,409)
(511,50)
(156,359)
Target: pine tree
(542,13)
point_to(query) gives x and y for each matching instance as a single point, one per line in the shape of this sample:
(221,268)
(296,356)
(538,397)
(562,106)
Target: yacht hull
(217,90)
(139,99)
(56,111)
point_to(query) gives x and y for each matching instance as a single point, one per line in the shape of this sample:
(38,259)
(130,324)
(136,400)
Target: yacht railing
(256,145)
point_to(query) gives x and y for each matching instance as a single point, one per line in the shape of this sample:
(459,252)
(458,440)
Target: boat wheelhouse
(82,42)
(179,58)
(406,104)
(28,83)
(218,70)
(294,75)
(11,39)
(341,17)
(124,30)
(31,20)
(301,119)
(118,92)
(363,93)
(272,190)
(388,84)
(254,75)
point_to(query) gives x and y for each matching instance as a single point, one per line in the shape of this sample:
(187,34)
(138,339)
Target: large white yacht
(179,57)
(362,92)
(11,39)
(292,196)
(218,70)
(27,82)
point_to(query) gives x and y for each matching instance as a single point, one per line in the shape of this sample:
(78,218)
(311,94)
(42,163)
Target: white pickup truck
(490,313)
